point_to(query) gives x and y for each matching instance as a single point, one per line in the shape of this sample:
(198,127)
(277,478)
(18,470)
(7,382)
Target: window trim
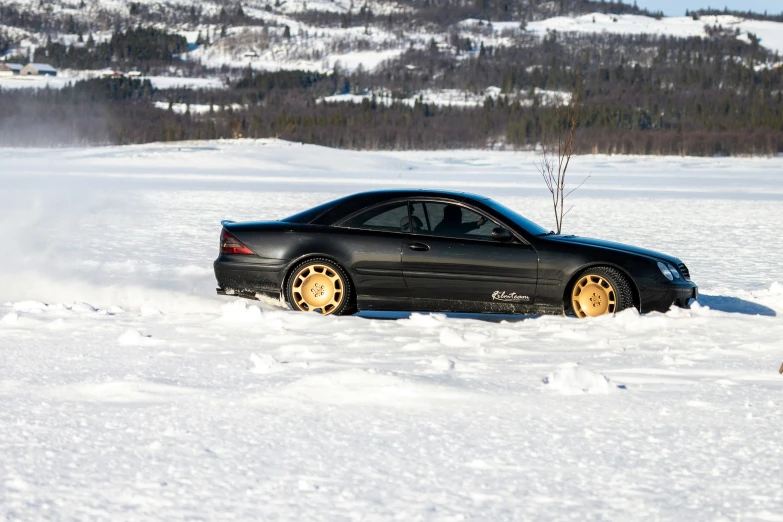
(410,200)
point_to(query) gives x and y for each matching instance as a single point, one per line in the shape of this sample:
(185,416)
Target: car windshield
(520,220)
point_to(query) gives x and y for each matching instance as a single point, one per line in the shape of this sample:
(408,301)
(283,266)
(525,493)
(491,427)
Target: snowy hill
(769,33)
(322,33)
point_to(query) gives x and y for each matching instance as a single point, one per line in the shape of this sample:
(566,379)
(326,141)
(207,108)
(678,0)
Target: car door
(373,239)
(452,263)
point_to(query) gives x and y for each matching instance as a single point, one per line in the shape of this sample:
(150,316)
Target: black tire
(346,305)
(623,292)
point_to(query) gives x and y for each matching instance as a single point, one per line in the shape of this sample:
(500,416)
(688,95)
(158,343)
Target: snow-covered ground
(197,108)
(67,78)
(130,391)
(453,97)
(770,33)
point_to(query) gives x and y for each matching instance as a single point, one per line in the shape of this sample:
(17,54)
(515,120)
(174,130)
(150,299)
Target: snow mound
(772,297)
(120,391)
(30,307)
(357,386)
(264,363)
(85,308)
(417,320)
(572,379)
(149,311)
(240,312)
(443,363)
(452,339)
(136,338)
(10,318)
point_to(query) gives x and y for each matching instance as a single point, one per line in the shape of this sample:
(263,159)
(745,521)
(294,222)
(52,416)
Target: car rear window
(310,215)
(389,217)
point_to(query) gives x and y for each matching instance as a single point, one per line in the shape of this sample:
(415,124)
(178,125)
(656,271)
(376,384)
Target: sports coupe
(423,250)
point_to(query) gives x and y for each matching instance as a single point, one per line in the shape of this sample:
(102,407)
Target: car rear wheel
(599,291)
(321,286)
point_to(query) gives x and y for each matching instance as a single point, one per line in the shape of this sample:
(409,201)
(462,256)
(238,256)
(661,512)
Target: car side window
(450,220)
(391,217)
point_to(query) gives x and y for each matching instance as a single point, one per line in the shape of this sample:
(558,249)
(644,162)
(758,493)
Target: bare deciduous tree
(556,157)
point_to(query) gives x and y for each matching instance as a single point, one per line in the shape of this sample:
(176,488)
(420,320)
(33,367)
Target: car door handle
(421,247)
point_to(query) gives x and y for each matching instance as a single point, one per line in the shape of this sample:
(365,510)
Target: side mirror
(502,235)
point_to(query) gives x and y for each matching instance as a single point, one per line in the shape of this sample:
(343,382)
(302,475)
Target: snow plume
(52,243)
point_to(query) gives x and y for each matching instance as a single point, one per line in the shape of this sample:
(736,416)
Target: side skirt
(247,294)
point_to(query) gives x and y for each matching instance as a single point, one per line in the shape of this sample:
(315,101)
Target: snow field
(131,391)
(68,77)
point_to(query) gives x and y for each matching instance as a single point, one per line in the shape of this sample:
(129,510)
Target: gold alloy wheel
(592,296)
(318,288)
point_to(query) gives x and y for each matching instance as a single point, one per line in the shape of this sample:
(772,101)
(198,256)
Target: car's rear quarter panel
(371,259)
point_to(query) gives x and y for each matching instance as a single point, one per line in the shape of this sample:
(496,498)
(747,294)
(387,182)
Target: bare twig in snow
(554,164)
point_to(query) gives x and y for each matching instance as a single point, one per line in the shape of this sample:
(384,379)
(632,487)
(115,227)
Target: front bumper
(660,298)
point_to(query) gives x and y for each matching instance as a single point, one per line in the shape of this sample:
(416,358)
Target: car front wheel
(600,290)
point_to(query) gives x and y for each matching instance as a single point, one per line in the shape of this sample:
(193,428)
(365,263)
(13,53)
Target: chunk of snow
(263,363)
(136,338)
(30,306)
(443,363)
(240,312)
(83,308)
(10,318)
(452,339)
(572,379)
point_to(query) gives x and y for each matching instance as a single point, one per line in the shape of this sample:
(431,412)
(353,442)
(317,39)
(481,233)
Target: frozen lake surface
(129,390)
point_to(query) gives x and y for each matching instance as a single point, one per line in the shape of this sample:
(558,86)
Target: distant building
(12,68)
(134,74)
(38,69)
(111,73)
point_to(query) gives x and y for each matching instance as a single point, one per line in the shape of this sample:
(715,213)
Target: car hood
(610,245)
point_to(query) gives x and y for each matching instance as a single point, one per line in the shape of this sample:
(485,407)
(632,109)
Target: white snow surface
(130,391)
(452,97)
(67,77)
(770,33)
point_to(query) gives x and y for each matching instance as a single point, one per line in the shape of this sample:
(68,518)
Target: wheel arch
(575,274)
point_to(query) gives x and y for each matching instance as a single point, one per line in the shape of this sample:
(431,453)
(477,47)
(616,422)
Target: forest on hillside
(639,94)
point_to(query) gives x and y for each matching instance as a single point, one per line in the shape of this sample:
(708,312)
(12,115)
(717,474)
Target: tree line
(119,111)
(139,47)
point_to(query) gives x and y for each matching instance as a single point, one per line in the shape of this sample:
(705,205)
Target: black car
(421,250)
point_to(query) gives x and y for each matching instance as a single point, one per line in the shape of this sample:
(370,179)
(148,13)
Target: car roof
(379,196)
(331,212)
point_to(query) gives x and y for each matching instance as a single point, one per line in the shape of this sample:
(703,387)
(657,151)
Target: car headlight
(673,270)
(665,271)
